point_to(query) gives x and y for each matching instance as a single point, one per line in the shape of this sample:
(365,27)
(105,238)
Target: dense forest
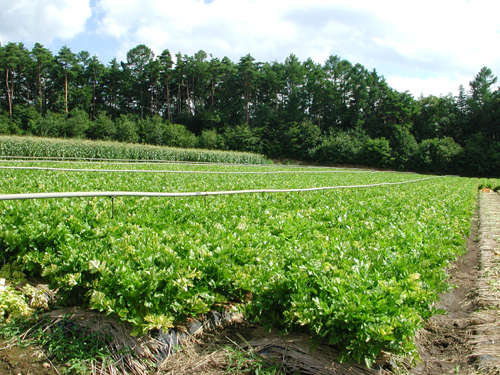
(331,113)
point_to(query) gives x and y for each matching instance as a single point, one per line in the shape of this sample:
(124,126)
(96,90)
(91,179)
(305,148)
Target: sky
(425,47)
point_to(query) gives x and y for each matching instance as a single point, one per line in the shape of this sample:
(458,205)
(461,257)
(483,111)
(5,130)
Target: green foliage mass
(358,267)
(331,113)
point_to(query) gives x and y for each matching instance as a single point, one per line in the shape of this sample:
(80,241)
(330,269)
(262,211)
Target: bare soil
(466,339)
(444,343)
(20,360)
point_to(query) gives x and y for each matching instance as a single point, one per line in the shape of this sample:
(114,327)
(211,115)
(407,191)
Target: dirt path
(466,340)
(485,322)
(19,360)
(444,343)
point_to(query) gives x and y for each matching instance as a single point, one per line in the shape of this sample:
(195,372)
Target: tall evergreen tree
(13,58)
(66,61)
(114,89)
(315,88)
(479,99)
(293,96)
(247,76)
(95,73)
(138,59)
(44,61)
(166,63)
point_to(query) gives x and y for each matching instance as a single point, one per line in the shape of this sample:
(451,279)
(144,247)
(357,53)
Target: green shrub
(152,130)
(7,126)
(242,138)
(376,153)
(437,155)
(102,127)
(51,125)
(404,146)
(176,135)
(156,131)
(22,115)
(340,148)
(480,157)
(300,138)
(76,124)
(210,140)
(126,130)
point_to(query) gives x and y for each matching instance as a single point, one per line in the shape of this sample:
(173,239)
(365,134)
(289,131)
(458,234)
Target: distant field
(359,267)
(52,147)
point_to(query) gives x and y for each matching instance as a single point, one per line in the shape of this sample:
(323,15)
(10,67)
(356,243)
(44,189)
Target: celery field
(357,267)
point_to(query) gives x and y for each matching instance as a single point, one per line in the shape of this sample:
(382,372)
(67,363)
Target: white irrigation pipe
(114,194)
(35,159)
(170,171)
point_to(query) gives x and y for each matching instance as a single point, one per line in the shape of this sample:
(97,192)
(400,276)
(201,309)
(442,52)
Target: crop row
(40,180)
(47,147)
(360,268)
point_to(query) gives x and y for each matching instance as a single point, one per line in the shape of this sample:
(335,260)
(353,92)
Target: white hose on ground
(188,194)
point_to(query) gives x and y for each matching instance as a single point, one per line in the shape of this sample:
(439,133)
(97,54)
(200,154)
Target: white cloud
(223,27)
(42,20)
(406,49)
(409,41)
(443,35)
(436,86)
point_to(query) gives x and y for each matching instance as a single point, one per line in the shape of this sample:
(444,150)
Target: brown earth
(466,340)
(443,344)
(19,360)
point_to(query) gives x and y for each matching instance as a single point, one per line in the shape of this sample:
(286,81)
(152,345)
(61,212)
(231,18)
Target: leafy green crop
(359,267)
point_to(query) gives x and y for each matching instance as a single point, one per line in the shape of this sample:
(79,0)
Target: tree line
(333,113)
